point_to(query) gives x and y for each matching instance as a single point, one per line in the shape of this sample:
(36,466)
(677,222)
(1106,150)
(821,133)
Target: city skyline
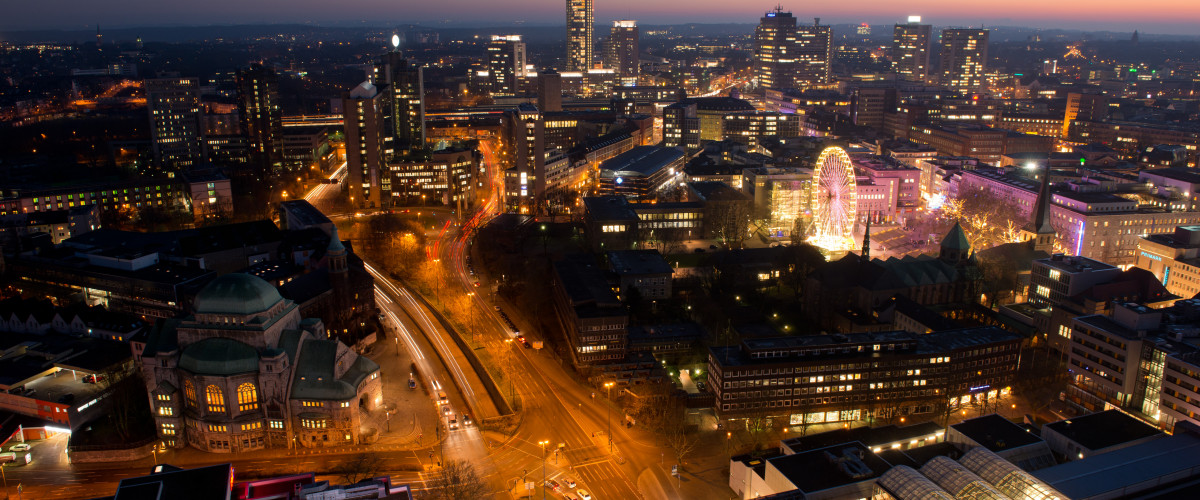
(1108,16)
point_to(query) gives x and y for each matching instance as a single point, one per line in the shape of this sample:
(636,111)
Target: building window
(247,397)
(276,424)
(189,392)
(217,428)
(317,404)
(309,423)
(168,429)
(252,426)
(216,399)
(345,404)
(165,411)
(164,397)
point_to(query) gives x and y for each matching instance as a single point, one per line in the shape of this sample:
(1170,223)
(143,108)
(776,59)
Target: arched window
(189,391)
(247,397)
(216,400)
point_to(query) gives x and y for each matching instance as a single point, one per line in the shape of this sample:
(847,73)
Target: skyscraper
(910,50)
(774,50)
(506,64)
(260,116)
(814,54)
(580,37)
(365,121)
(175,117)
(964,59)
(623,50)
(404,85)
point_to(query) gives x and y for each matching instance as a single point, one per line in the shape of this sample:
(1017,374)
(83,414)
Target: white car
(570,482)
(20,447)
(583,495)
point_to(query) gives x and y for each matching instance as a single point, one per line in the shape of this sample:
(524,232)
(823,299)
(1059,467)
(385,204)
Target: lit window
(215,398)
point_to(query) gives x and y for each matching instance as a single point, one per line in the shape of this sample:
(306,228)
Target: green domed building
(246,372)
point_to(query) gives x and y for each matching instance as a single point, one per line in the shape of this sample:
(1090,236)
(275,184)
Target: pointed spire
(866,250)
(1041,215)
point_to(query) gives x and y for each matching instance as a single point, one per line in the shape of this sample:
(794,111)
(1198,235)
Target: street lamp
(608,415)
(543,444)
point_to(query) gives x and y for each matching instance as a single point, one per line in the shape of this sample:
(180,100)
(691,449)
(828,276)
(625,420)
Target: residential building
(175,122)
(964,59)
(368,144)
(261,116)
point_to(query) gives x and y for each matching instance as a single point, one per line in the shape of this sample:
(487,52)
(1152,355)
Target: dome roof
(237,293)
(219,356)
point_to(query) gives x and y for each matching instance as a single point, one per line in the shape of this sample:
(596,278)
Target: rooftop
(201,483)
(644,160)
(830,467)
(637,262)
(1109,475)
(996,433)
(869,436)
(1103,430)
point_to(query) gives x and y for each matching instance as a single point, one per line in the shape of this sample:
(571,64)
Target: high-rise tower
(814,54)
(964,59)
(175,117)
(622,53)
(910,50)
(580,37)
(404,86)
(774,50)
(506,64)
(260,116)
(365,121)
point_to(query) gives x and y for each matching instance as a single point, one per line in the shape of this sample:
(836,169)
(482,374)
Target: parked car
(20,447)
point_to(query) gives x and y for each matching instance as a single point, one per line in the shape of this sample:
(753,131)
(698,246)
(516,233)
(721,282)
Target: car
(412,384)
(476,283)
(446,410)
(520,338)
(497,308)
(712,247)
(453,423)
(442,399)
(552,484)
(466,419)
(700,385)
(570,482)
(699,250)
(20,447)
(527,344)
(568,496)
(583,494)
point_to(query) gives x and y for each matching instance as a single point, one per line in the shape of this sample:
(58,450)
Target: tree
(360,467)
(458,480)
(999,279)
(680,437)
(128,404)
(796,262)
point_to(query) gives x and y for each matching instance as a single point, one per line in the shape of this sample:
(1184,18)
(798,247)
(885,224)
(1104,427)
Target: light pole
(543,444)
(608,415)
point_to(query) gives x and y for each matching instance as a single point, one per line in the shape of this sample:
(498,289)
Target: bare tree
(458,480)
(360,467)
(680,437)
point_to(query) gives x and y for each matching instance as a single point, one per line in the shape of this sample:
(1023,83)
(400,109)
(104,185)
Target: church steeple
(1039,229)
(336,253)
(866,250)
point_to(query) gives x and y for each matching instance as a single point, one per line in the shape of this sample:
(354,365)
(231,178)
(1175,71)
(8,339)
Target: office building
(590,313)
(623,51)
(775,58)
(910,50)
(261,116)
(506,64)
(641,173)
(246,372)
(1173,258)
(368,144)
(175,122)
(814,54)
(964,59)
(549,91)
(404,86)
(580,35)
(849,377)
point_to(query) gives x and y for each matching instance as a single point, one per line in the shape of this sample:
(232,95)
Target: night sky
(1148,16)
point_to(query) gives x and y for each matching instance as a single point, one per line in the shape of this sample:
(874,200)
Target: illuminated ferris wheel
(834,202)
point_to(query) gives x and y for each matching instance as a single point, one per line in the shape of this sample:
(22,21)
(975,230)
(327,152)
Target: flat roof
(1112,473)
(644,160)
(815,470)
(627,262)
(202,483)
(1103,430)
(869,436)
(996,433)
